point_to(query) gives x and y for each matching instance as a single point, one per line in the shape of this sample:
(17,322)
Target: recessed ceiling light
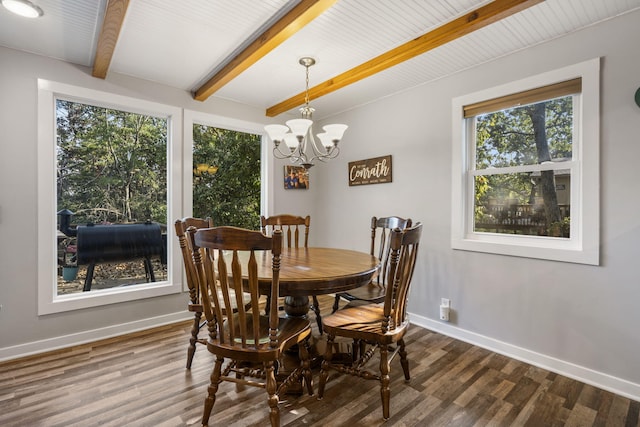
(23,8)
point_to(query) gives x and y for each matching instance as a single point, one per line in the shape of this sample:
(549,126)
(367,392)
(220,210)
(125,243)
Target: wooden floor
(141,380)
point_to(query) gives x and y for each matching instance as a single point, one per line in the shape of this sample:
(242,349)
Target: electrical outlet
(445,307)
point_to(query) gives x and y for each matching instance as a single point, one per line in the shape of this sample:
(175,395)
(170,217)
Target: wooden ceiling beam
(303,13)
(111,26)
(472,21)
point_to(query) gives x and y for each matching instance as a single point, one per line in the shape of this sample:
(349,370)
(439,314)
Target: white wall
(577,319)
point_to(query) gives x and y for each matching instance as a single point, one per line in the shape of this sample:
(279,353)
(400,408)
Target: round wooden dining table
(316,271)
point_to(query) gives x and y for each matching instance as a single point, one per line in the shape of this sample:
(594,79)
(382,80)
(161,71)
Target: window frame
(192,117)
(48,300)
(584,242)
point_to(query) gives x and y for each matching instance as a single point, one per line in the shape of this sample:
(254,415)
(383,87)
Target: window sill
(545,248)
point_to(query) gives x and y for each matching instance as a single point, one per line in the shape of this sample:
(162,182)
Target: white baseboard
(27,349)
(598,379)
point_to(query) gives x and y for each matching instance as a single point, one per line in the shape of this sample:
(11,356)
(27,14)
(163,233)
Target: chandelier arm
(314,145)
(278,154)
(332,154)
(302,150)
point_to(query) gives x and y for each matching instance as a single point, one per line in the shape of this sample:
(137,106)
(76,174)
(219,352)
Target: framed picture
(296,178)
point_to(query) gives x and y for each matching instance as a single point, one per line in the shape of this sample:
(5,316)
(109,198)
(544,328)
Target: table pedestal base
(296,306)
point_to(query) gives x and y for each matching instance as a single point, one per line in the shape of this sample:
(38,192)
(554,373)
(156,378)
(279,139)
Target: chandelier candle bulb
(299,127)
(292,141)
(335,132)
(276,132)
(325,140)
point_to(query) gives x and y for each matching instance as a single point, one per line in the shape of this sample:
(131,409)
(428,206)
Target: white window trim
(266,160)
(584,244)
(48,300)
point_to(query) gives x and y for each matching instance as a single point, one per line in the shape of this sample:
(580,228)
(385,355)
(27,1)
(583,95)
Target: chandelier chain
(306,93)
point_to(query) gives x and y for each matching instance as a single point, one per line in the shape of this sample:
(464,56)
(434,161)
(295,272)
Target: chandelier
(297,135)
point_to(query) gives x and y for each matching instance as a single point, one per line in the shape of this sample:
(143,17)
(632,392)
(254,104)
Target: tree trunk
(551,208)
(127,203)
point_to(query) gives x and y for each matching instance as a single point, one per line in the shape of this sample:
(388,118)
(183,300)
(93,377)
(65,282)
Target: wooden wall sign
(370,171)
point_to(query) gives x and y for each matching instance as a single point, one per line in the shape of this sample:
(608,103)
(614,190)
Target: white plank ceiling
(182,43)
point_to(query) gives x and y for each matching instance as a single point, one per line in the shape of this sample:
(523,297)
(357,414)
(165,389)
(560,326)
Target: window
(104,177)
(229,179)
(111,197)
(226,176)
(525,167)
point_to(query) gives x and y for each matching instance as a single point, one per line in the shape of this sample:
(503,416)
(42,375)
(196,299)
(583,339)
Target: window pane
(226,176)
(526,135)
(111,197)
(519,204)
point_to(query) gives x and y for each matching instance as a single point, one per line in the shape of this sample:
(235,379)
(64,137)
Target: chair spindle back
(228,255)
(380,242)
(290,225)
(404,246)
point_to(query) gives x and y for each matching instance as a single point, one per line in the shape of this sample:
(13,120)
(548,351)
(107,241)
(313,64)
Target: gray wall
(582,320)
(576,319)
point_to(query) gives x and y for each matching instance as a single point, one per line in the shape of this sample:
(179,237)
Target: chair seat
(370,293)
(291,331)
(368,327)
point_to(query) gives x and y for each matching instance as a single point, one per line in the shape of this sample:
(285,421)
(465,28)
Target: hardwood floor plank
(581,416)
(531,401)
(493,415)
(548,411)
(140,380)
(633,414)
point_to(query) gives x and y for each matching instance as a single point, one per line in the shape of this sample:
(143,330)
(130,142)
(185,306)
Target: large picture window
(105,198)
(525,167)
(111,197)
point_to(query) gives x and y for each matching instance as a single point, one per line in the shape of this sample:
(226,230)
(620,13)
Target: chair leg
(240,376)
(316,309)
(274,413)
(385,392)
(404,362)
(326,363)
(213,388)
(307,377)
(336,304)
(355,353)
(191,351)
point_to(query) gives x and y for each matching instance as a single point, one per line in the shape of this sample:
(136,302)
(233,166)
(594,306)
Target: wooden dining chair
(291,227)
(244,336)
(378,325)
(195,306)
(293,234)
(375,291)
